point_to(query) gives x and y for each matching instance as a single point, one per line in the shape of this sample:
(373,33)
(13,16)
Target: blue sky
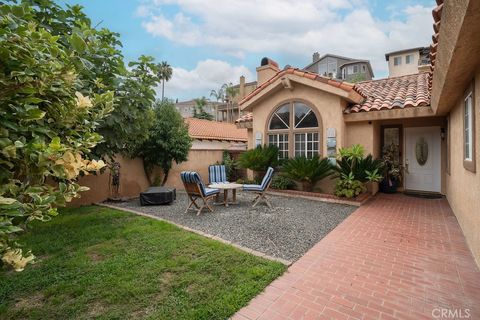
(211,42)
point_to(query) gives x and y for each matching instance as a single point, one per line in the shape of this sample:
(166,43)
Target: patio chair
(217,174)
(261,189)
(196,190)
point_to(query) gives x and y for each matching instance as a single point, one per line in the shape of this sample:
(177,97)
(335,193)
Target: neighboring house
(341,68)
(186,108)
(408,61)
(437,112)
(230,112)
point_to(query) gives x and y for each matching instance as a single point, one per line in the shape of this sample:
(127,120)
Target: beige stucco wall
(132,181)
(463,186)
(403,69)
(327,105)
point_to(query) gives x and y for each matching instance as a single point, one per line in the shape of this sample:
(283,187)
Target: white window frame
(309,153)
(468,127)
(399,61)
(283,147)
(409,59)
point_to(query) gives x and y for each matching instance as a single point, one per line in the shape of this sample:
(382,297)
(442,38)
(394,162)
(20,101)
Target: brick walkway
(397,257)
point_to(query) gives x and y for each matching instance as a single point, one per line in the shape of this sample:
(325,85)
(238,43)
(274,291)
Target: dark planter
(387,187)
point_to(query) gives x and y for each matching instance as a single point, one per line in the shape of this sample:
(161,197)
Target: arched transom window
(294,122)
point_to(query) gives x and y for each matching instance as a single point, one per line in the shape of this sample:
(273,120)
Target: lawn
(95,262)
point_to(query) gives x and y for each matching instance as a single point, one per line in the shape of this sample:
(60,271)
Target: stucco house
(339,67)
(408,61)
(305,113)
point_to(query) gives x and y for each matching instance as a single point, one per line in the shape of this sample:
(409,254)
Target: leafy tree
(168,140)
(48,121)
(101,68)
(358,78)
(165,74)
(200,104)
(128,126)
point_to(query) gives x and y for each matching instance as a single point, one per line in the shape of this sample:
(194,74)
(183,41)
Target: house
(341,68)
(186,108)
(229,112)
(408,61)
(433,117)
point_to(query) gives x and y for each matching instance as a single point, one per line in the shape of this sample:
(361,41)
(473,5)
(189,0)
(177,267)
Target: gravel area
(287,231)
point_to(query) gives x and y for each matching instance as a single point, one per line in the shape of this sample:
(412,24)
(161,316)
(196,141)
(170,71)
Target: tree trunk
(163,89)
(147,173)
(165,177)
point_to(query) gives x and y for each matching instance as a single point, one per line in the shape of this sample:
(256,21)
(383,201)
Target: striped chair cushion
(267,178)
(194,177)
(217,174)
(252,187)
(260,187)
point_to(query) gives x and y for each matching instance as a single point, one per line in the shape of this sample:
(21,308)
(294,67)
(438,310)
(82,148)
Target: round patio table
(225,187)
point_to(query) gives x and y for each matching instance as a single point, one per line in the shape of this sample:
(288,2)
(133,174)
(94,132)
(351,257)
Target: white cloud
(207,75)
(291,28)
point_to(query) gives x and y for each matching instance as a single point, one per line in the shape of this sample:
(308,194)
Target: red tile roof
(437,18)
(393,93)
(245,118)
(346,86)
(213,130)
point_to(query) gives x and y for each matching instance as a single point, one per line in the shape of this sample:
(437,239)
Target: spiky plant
(307,171)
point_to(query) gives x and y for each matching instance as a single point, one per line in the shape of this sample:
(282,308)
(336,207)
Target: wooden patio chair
(197,191)
(217,174)
(261,189)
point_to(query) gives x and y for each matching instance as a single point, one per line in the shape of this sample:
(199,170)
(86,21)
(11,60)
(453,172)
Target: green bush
(307,171)
(353,170)
(259,159)
(48,123)
(282,182)
(348,187)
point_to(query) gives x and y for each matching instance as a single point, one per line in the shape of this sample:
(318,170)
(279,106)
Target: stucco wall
(463,186)
(132,181)
(327,105)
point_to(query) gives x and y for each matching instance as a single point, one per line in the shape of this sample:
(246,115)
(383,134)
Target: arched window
(294,122)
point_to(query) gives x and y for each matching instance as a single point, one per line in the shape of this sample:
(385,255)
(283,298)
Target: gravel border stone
(287,231)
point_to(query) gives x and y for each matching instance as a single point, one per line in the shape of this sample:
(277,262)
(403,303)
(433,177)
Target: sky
(209,42)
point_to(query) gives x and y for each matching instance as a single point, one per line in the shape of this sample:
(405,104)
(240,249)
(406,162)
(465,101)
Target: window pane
(304,116)
(281,118)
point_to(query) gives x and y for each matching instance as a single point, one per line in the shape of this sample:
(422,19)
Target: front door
(422,159)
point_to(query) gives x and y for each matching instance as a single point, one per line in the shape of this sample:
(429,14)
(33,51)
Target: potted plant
(392,170)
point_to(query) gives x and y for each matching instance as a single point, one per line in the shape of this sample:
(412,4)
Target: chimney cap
(267,61)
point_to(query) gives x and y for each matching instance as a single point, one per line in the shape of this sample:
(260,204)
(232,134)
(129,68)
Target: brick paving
(396,257)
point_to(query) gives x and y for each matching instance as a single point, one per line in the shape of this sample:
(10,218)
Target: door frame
(440,158)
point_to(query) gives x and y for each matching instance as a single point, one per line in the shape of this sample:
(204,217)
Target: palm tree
(219,95)
(165,74)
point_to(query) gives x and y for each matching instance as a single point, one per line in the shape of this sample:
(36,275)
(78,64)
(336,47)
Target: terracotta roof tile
(213,130)
(393,93)
(245,118)
(309,75)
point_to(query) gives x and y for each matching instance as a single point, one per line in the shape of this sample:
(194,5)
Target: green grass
(95,262)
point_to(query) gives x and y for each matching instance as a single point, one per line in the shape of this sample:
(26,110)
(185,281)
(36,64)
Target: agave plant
(307,171)
(351,160)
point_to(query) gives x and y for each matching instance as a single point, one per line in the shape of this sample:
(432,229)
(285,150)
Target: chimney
(242,88)
(268,68)
(316,56)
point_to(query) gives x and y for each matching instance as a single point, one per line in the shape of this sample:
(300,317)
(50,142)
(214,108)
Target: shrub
(348,187)
(48,123)
(260,158)
(282,182)
(230,166)
(168,141)
(353,169)
(307,171)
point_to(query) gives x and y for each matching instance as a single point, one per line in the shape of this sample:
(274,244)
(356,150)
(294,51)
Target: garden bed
(326,197)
